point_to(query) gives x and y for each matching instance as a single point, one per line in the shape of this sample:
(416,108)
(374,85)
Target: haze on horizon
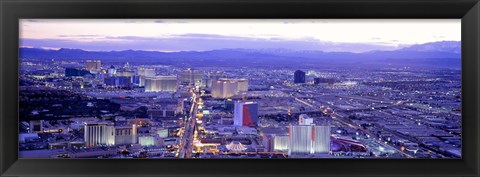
(170,35)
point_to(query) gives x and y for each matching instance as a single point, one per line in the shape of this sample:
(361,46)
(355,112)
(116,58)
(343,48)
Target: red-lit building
(245,114)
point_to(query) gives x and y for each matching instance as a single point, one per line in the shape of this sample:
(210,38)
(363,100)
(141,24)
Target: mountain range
(443,53)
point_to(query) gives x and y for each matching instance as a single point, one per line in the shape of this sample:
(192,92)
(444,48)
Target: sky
(171,35)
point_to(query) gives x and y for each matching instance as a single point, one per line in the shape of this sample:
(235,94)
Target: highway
(350,124)
(344,121)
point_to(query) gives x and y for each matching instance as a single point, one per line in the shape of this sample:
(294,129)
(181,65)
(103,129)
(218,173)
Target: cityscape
(233,100)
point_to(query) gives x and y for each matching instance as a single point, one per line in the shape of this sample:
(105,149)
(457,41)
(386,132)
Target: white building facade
(161,84)
(308,139)
(97,134)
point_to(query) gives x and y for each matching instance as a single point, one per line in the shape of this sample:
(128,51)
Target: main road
(186,138)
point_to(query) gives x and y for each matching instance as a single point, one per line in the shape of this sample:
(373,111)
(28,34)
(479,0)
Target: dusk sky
(171,35)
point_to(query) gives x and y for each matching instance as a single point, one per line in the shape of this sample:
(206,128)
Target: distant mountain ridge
(442,46)
(438,53)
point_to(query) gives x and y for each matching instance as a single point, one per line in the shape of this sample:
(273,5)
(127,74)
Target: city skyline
(275,90)
(171,35)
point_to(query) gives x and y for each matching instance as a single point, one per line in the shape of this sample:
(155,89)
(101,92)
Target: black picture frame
(13,10)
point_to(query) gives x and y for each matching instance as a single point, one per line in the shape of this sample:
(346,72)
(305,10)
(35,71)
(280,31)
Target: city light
(240,96)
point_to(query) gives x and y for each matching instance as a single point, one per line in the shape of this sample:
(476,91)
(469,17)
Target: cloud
(80,35)
(198,42)
(209,37)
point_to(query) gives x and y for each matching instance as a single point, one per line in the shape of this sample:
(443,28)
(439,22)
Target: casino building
(226,88)
(126,135)
(280,143)
(101,133)
(118,81)
(245,114)
(144,73)
(191,77)
(308,139)
(92,65)
(161,84)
